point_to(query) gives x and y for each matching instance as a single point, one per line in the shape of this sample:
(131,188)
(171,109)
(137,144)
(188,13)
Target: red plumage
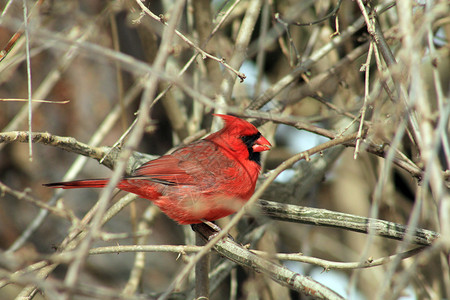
(205,180)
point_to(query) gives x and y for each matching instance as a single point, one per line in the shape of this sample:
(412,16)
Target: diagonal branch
(239,254)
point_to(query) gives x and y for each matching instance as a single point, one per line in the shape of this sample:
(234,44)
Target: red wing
(200,164)
(165,170)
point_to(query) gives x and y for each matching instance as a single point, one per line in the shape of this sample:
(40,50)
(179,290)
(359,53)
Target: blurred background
(303,80)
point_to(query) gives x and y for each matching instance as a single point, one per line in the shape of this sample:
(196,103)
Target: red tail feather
(91,183)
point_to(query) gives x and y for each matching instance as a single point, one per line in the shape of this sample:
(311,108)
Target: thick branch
(280,274)
(323,217)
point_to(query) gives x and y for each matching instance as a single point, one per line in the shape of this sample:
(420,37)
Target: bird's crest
(235,125)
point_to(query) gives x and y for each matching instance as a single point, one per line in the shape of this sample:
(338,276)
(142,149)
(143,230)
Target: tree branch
(323,217)
(242,256)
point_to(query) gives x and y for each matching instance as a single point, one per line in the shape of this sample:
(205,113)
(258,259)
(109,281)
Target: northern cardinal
(204,180)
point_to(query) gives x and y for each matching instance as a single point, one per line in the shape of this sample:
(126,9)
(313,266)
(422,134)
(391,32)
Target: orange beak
(261,145)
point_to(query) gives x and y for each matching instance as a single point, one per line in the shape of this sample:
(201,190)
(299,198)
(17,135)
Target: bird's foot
(214,227)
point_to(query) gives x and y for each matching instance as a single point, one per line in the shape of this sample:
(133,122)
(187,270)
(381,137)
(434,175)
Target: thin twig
(333,265)
(366,69)
(139,262)
(58,211)
(190,43)
(323,19)
(30,89)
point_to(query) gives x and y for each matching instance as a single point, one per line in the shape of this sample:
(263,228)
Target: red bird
(205,180)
